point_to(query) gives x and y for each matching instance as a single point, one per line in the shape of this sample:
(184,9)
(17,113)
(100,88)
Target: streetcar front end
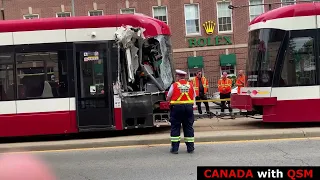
(282,78)
(263,47)
(145,73)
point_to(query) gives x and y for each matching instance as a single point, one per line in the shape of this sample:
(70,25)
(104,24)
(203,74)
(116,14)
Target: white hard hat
(181,72)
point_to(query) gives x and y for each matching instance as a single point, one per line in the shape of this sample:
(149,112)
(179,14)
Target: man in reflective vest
(240,80)
(181,96)
(201,85)
(224,86)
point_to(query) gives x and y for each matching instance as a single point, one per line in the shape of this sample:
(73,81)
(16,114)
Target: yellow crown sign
(209,27)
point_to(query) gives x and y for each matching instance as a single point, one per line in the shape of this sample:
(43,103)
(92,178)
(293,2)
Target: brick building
(220,45)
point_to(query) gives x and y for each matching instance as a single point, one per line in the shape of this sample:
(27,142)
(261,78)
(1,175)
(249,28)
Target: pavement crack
(288,155)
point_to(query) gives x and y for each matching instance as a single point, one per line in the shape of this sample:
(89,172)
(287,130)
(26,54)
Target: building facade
(206,34)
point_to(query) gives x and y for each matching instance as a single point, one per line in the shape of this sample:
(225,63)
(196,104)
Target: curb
(209,136)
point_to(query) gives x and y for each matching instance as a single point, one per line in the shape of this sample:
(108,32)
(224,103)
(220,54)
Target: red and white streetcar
(74,74)
(283,69)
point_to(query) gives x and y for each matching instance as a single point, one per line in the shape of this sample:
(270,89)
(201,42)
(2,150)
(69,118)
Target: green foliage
(233,78)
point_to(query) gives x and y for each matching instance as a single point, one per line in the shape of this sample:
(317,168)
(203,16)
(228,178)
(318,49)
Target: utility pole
(2,9)
(72,8)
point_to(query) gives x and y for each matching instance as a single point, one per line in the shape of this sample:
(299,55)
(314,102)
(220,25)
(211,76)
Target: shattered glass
(127,37)
(165,66)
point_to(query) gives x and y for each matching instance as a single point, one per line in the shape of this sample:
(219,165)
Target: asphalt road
(156,163)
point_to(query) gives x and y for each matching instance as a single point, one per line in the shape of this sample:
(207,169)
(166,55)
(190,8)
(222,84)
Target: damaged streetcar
(75,74)
(282,67)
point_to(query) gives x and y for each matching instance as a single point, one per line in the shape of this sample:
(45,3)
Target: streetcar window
(114,61)
(264,45)
(41,71)
(299,66)
(6,74)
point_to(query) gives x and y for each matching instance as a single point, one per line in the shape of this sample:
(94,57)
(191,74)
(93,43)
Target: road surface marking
(158,145)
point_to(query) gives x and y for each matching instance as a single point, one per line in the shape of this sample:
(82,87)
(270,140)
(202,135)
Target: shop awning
(195,62)
(228,59)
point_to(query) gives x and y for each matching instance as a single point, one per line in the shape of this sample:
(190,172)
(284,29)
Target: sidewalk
(206,130)
(215,124)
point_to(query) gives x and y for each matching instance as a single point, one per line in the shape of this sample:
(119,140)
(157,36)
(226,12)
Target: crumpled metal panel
(126,36)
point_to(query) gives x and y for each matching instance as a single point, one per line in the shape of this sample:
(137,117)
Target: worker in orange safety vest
(224,87)
(181,96)
(201,85)
(240,81)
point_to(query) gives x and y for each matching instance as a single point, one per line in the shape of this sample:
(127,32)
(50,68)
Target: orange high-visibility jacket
(224,85)
(183,93)
(205,84)
(241,82)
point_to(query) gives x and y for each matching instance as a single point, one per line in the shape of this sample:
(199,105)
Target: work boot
(190,151)
(190,147)
(173,152)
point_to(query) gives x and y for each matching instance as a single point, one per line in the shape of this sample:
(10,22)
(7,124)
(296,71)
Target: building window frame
(30,15)
(125,9)
(92,11)
(199,20)
(231,18)
(194,71)
(286,1)
(153,13)
(231,74)
(58,13)
(250,11)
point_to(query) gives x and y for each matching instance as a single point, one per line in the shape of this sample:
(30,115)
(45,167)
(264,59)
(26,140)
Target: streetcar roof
(153,27)
(296,10)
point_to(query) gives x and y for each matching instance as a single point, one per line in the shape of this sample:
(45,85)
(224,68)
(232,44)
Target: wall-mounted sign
(210,41)
(209,28)
(90,56)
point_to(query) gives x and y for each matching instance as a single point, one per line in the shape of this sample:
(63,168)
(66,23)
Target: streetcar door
(93,92)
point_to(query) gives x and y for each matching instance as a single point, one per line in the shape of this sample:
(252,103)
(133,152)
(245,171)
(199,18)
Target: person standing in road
(224,87)
(201,86)
(181,96)
(240,80)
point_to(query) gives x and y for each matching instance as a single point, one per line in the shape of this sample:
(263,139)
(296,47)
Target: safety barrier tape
(214,100)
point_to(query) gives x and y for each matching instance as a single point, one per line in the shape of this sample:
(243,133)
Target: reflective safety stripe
(184,93)
(190,101)
(221,84)
(204,83)
(188,139)
(175,138)
(182,102)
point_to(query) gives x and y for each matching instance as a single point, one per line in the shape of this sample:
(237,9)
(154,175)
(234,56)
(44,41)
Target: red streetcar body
(283,76)
(58,74)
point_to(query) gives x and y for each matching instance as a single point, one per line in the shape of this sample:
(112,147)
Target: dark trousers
(182,114)
(223,103)
(202,97)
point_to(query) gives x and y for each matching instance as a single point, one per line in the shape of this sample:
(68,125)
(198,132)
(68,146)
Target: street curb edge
(297,133)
